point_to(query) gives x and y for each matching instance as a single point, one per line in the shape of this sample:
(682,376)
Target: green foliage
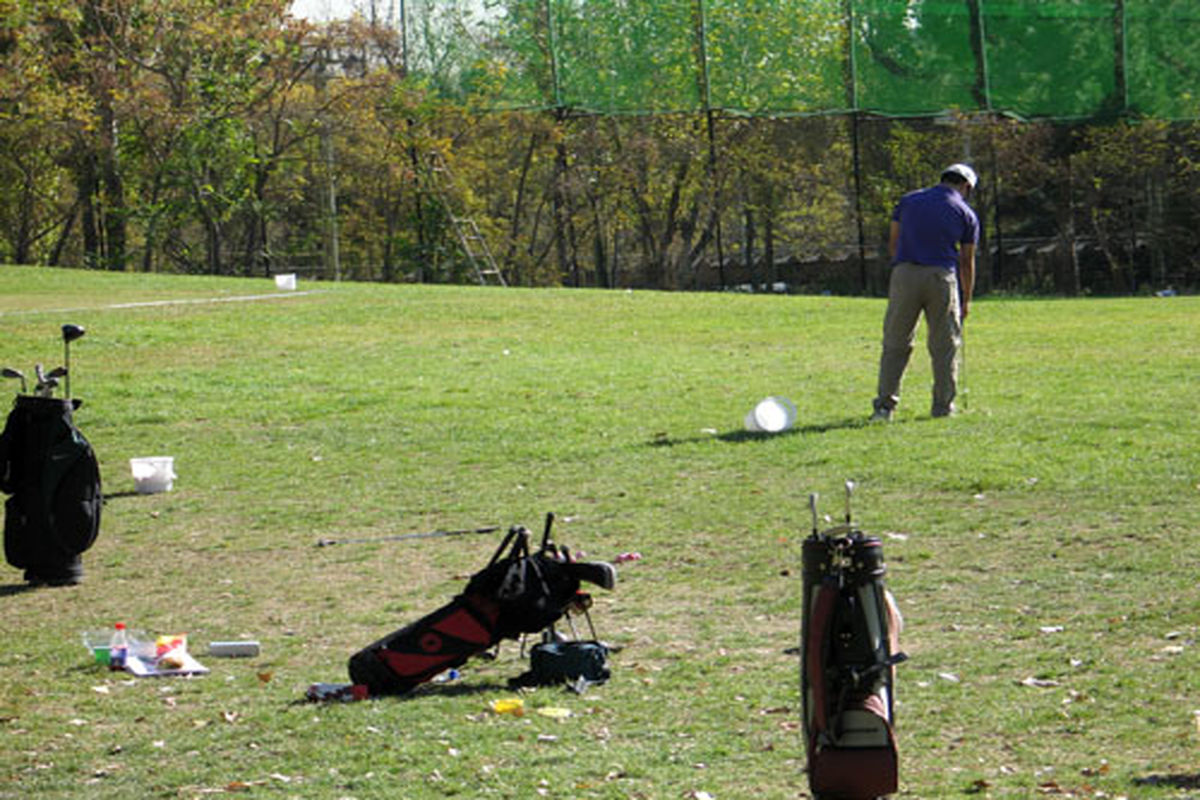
(230,138)
(1029,539)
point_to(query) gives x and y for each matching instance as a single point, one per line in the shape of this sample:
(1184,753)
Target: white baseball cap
(963,170)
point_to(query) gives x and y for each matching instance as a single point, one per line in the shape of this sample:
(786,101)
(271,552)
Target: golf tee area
(1041,544)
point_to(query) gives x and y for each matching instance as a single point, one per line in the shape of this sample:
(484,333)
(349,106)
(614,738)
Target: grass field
(1042,544)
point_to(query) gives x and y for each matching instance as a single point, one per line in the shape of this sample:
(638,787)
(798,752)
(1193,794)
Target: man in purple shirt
(932,246)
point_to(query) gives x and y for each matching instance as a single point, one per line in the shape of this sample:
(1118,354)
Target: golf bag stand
(50,470)
(517,592)
(849,649)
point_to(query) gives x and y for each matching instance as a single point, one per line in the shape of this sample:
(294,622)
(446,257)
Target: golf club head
(72,332)
(600,573)
(57,372)
(9,372)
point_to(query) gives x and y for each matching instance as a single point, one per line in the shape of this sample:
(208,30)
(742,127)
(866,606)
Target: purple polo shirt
(933,222)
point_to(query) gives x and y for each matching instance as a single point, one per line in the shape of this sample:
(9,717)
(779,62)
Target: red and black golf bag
(517,592)
(849,649)
(51,472)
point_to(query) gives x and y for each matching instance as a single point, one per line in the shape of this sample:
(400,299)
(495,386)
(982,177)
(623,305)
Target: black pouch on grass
(50,469)
(553,663)
(849,647)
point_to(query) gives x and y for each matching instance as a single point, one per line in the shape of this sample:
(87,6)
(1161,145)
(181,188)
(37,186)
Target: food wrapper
(509,705)
(170,651)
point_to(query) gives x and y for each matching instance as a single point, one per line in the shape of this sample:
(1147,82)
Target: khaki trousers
(913,289)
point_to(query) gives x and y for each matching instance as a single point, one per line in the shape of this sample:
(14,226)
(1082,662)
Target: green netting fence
(1052,59)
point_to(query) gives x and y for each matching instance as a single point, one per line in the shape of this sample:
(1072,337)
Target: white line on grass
(153,303)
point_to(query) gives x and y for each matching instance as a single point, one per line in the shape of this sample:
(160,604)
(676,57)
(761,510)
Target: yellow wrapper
(509,705)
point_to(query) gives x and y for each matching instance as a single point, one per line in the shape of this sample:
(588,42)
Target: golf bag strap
(816,637)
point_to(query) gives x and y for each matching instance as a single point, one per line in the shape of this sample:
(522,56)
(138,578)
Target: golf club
(812,504)
(69,334)
(404,536)
(600,573)
(547,544)
(46,388)
(962,372)
(9,372)
(849,491)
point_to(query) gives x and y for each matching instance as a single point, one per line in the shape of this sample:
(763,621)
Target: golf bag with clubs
(517,592)
(50,470)
(849,650)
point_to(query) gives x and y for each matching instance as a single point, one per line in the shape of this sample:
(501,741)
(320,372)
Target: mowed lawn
(1042,544)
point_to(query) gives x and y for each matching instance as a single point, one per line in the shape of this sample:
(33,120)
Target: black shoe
(55,575)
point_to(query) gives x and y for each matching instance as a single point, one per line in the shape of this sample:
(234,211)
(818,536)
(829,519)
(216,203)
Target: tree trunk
(518,211)
(560,214)
(748,235)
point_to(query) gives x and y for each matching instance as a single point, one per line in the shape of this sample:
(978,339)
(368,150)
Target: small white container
(153,474)
(241,649)
(773,415)
(287,281)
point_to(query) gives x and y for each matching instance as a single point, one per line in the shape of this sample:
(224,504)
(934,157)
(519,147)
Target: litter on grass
(509,705)
(163,657)
(336,693)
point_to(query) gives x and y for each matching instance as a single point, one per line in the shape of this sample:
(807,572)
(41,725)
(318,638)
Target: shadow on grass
(742,436)
(116,495)
(423,690)
(1183,781)
(17,588)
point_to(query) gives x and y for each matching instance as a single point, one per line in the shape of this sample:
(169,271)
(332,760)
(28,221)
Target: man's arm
(893,240)
(966,275)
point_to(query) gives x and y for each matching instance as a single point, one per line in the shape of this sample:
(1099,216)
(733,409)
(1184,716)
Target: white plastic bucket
(287,281)
(154,474)
(773,415)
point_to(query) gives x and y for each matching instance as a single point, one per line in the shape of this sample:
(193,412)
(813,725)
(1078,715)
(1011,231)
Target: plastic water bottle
(118,647)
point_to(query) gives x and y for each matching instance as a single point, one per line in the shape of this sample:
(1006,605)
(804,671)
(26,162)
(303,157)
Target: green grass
(1066,496)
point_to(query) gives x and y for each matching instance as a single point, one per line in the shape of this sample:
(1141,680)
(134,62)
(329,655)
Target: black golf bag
(516,593)
(849,650)
(51,472)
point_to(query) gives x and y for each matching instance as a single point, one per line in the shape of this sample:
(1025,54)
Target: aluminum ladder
(470,238)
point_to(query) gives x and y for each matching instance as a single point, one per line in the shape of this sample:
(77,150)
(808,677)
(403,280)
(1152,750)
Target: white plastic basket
(153,474)
(773,415)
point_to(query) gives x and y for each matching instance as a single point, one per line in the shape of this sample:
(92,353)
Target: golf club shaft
(70,332)
(962,371)
(404,536)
